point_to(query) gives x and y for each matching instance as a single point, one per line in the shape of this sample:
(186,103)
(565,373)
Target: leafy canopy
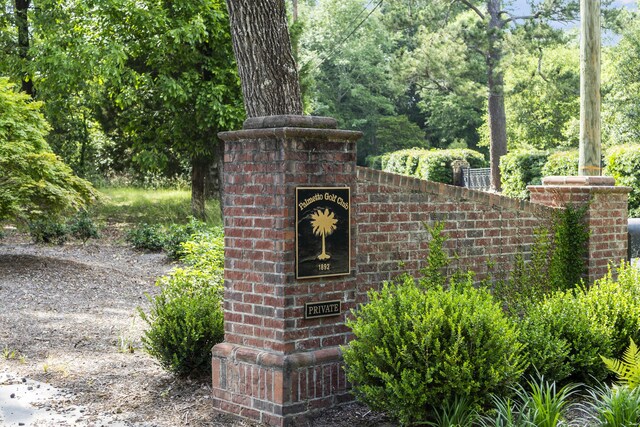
(33,181)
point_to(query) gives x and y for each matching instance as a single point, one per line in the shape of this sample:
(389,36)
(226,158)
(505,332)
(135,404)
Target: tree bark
(22,24)
(199,167)
(266,66)
(495,85)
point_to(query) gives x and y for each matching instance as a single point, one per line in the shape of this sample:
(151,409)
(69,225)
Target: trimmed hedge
(623,164)
(519,169)
(434,165)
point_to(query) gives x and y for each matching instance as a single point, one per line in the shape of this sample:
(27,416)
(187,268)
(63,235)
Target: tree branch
(518,18)
(472,7)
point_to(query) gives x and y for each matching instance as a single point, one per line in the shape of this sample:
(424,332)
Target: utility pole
(590,163)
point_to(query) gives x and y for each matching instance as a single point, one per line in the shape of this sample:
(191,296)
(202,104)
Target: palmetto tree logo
(324,224)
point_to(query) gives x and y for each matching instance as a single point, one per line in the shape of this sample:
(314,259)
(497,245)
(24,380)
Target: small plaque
(322,309)
(323,243)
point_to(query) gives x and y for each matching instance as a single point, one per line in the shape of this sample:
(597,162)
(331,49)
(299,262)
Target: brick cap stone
(290,121)
(590,181)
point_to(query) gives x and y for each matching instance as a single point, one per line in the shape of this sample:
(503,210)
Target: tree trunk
(199,167)
(495,85)
(266,66)
(22,24)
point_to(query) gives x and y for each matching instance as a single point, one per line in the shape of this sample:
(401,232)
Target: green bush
(82,227)
(185,321)
(434,165)
(567,333)
(48,231)
(623,163)
(374,162)
(150,237)
(519,169)
(177,234)
(561,163)
(415,349)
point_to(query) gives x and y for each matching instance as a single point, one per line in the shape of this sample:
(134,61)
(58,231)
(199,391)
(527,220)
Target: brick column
(275,366)
(606,215)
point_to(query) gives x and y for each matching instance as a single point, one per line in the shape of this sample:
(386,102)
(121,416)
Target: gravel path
(70,349)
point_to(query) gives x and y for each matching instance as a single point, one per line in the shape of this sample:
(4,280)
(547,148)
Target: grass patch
(138,206)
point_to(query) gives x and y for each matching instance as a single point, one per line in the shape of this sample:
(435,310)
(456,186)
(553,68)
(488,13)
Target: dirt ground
(68,320)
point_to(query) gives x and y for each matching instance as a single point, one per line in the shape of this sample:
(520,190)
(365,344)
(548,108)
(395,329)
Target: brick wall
(484,230)
(275,366)
(606,215)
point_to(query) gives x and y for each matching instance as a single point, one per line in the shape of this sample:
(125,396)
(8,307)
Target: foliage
(156,237)
(621,88)
(542,98)
(568,331)
(176,235)
(397,133)
(82,227)
(617,406)
(434,165)
(352,73)
(519,169)
(33,181)
(561,163)
(414,349)
(557,262)
(571,236)
(186,319)
(46,230)
(458,412)
(623,164)
(541,405)
(149,237)
(628,369)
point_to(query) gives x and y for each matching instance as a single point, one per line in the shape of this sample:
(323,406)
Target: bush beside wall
(623,164)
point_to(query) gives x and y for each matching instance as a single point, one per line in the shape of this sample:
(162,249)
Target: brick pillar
(606,215)
(275,366)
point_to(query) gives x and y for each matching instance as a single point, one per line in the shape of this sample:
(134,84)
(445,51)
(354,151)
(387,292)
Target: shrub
(147,237)
(373,162)
(623,163)
(177,234)
(415,349)
(82,227)
(561,163)
(48,231)
(434,165)
(185,321)
(519,169)
(568,332)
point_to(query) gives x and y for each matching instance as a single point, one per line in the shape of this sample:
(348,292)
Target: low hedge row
(522,168)
(434,165)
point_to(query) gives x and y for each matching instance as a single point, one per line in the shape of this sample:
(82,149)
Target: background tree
(351,63)
(34,182)
(176,86)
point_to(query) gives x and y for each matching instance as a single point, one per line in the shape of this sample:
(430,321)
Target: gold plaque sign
(322,231)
